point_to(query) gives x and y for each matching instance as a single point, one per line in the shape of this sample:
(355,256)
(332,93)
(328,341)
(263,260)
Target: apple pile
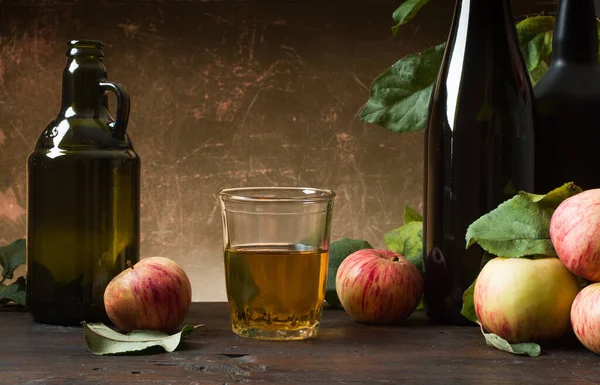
(378,286)
(538,299)
(575,234)
(153,294)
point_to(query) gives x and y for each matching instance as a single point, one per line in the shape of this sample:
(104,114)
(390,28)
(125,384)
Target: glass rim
(273,194)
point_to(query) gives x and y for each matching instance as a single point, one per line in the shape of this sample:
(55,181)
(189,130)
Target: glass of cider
(276,246)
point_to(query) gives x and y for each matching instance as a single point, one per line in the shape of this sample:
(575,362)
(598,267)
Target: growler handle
(119,126)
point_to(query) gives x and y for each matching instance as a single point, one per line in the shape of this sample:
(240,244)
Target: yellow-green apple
(574,229)
(525,300)
(378,286)
(585,317)
(153,294)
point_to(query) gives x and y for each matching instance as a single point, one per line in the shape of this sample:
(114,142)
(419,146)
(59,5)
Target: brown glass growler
(83,196)
(478,149)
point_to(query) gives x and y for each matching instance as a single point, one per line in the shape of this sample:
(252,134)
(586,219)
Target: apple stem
(395,258)
(129,264)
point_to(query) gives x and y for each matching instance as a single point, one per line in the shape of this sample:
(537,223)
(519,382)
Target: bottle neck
(575,33)
(492,17)
(81,93)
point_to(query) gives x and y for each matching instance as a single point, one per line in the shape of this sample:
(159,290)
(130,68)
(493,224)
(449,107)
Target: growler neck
(81,93)
(575,33)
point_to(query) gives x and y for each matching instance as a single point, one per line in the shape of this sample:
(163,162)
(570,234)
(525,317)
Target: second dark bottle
(568,100)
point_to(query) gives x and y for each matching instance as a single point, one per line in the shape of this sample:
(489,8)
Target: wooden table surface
(345,352)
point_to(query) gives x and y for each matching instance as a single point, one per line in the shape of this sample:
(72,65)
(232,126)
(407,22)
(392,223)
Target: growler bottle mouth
(85,48)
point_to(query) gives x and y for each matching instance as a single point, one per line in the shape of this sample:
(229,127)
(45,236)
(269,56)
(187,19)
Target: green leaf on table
(535,39)
(338,251)
(520,226)
(15,292)
(103,340)
(530,349)
(468,308)
(408,241)
(11,256)
(399,97)
(411,215)
(406,12)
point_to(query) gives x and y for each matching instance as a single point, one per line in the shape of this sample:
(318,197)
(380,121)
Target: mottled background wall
(225,94)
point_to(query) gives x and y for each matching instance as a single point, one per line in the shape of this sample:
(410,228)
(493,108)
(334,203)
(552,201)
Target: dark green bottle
(83,196)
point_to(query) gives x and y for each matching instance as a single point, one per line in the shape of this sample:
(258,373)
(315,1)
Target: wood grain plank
(415,352)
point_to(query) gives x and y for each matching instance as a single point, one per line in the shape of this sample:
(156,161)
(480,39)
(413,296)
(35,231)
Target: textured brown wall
(225,94)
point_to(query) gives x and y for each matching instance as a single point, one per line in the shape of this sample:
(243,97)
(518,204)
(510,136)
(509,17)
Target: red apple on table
(378,286)
(585,317)
(525,300)
(153,294)
(575,234)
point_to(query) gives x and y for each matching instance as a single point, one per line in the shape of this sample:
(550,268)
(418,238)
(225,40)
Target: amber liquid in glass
(275,291)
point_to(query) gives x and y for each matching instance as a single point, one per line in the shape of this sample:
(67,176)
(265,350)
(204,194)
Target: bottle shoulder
(569,82)
(79,133)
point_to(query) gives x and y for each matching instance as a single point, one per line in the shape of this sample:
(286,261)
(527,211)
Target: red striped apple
(585,317)
(153,294)
(378,286)
(525,300)
(574,230)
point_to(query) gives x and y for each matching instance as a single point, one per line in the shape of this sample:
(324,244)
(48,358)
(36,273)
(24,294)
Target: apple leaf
(538,73)
(102,340)
(530,349)
(555,197)
(411,215)
(535,39)
(408,241)
(468,308)
(338,251)
(520,226)
(406,12)
(399,97)
(15,292)
(516,228)
(11,256)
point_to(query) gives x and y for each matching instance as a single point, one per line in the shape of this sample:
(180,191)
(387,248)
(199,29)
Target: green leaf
(15,292)
(538,73)
(555,197)
(468,308)
(406,12)
(338,251)
(535,39)
(408,241)
(525,348)
(411,215)
(103,340)
(517,228)
(11,256)
(399,97)
(520,226)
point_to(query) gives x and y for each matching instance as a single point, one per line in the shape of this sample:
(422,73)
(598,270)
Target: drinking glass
(276,249)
